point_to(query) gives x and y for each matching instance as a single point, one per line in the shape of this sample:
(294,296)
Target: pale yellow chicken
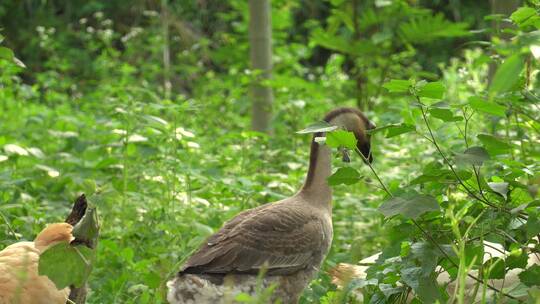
(19,279)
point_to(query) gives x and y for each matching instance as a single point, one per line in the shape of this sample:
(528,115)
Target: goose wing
(283,238)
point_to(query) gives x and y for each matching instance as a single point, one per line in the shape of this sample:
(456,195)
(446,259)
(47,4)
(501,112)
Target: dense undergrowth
(166,169)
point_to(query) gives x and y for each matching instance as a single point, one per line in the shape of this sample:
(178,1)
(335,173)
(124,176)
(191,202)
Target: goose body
(286,240)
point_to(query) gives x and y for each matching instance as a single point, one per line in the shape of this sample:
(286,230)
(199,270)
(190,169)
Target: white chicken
(19,278)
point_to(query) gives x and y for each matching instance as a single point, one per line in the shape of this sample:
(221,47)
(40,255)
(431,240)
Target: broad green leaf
(321,126)
(488,107)
(517,259)
(532,227)
(524,16)
(531,276)
(473,156)
(388,289)
(494,145)
(495,267)
(410,205)
(507,75)
(411,276)
(66,265)
(485,106)
(425,287)
(395,130)
(6,53)
(434,90)
(500,188)
(444,114)
(341,138)
(344,175)
(474,252)
(397,86)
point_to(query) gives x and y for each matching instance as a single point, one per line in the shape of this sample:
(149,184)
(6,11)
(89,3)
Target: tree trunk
(166,51)
(260,39)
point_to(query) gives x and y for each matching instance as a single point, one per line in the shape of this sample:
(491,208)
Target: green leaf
(321,126)
(444,114)
(398,129)
(481,105)
(524,16)
(410,205)
(517,259)
(494,145)
(344,175)
(495,267)
(473,156)
(393,129)
(6,53)
(341,138)
(531,276)
(434,90)
(66,265)
(500,188)
(533,226)
(397,86)
(507,75)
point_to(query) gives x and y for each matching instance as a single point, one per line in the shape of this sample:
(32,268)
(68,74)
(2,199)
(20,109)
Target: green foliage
(92,113)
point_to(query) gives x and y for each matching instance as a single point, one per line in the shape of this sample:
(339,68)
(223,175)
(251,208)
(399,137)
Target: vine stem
(447,161)
(426,234)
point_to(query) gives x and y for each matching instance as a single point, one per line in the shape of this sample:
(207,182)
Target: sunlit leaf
(434,90)
(397,86)
(525,16)
(341,138)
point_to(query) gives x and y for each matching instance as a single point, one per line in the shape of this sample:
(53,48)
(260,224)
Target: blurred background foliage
(89,103)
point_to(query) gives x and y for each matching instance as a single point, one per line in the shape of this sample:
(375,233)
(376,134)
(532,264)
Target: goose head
(356,122)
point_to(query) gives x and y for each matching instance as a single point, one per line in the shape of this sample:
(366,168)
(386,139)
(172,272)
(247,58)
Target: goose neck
(320,168)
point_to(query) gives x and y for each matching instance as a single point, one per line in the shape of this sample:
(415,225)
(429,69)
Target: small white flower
(193,145)
(184,132)
(14,149)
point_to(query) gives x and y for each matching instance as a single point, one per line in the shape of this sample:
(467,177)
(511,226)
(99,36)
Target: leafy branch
(427,235)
